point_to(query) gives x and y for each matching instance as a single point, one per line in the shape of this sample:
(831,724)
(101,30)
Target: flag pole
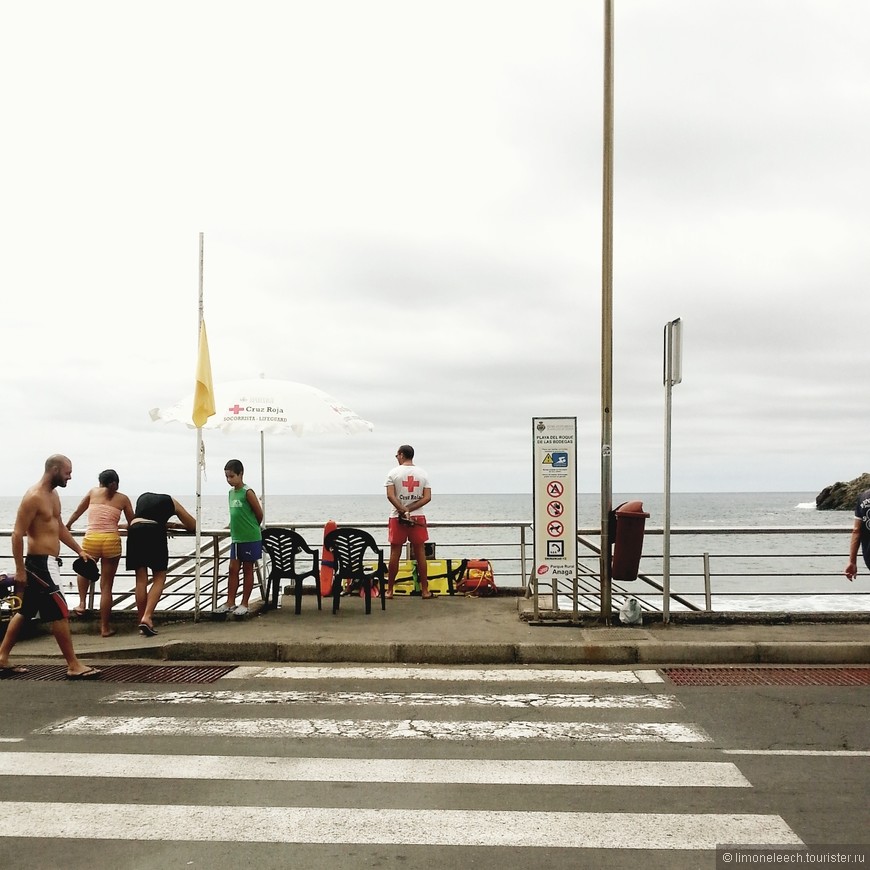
(203,408)
(199,457)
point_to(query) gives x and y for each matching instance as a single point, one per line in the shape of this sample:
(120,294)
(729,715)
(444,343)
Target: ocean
(727,509)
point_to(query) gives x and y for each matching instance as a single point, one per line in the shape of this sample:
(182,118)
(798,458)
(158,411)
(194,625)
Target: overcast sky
(401,204)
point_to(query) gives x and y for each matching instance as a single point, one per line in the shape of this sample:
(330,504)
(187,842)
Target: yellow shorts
(102,545)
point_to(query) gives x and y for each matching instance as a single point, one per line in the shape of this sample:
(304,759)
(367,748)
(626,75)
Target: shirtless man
(39,520)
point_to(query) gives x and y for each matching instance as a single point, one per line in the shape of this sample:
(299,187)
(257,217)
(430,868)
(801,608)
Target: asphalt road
(613,768)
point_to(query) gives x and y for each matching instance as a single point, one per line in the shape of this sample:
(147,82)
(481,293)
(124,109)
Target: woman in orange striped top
(102,540)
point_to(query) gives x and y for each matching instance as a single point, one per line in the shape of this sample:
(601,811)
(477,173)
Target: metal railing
(712,569)
(756,568)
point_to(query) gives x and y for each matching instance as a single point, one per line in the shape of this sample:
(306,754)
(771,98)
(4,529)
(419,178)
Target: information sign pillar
(554,458)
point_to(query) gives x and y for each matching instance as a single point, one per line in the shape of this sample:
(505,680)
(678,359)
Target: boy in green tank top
(246,548)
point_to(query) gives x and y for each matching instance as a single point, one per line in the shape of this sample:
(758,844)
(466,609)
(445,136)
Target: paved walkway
(461,631)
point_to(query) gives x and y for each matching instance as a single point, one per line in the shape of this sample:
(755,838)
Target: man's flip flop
(147,630)
(11,672)
(90,674)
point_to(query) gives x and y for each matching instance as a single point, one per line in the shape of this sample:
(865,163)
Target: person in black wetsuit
(860,536)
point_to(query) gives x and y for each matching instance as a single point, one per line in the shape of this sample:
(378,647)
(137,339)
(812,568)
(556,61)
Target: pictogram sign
(555,507)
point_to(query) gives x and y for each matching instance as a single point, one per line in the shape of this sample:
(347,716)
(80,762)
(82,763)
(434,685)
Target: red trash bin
(628,540)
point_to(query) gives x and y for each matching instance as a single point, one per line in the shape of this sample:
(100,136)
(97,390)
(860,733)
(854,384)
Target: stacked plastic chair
(284,547)
(349,547)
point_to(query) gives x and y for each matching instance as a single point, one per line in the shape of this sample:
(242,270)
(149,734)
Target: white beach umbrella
(270,405)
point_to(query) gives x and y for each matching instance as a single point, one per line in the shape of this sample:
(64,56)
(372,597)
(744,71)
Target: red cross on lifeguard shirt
(235,409)
(410,483)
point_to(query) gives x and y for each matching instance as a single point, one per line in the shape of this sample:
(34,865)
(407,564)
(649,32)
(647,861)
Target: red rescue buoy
(327,561)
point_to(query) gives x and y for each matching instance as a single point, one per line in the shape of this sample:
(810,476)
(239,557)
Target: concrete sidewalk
(462,631)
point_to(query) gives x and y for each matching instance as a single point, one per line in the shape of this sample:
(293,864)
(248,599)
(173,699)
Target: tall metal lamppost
(607,320)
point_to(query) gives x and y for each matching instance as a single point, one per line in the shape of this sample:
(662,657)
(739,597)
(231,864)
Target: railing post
(708,598)
(215,571)
(523,578)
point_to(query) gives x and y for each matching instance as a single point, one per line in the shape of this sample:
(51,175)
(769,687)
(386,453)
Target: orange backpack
(477,578)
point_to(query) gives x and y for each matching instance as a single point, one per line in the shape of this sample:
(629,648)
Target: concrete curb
(844,653)
(464,654)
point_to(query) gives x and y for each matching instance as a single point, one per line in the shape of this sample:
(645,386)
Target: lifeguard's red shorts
(399,533)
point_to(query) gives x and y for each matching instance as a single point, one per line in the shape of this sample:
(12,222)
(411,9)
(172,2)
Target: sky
(401,204)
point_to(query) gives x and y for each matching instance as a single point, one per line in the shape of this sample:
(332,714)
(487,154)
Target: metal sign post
(673,374)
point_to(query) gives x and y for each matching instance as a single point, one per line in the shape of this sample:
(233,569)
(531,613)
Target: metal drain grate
(747,676)
(129,673)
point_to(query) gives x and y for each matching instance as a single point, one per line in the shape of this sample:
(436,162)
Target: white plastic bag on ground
(630,613)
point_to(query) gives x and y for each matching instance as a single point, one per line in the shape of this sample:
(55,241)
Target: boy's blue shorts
(249,552)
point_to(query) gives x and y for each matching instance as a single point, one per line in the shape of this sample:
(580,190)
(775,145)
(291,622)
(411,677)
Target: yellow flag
(203,396)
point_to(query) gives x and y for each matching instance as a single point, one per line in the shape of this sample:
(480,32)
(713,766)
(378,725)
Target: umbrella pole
(263,473)
(265,583)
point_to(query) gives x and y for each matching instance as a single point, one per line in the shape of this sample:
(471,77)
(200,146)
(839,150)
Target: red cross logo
(410,484)
(235,409)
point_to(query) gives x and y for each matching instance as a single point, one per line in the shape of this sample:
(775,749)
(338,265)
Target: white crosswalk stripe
(636,774)
(535,718)
(379,729)
(415,699)
(459,675)
(387,827)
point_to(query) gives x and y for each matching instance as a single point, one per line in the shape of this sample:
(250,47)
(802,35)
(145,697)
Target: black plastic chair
(349,547)
(284,546)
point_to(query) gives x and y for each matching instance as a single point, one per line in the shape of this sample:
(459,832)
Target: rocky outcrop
(842,496)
